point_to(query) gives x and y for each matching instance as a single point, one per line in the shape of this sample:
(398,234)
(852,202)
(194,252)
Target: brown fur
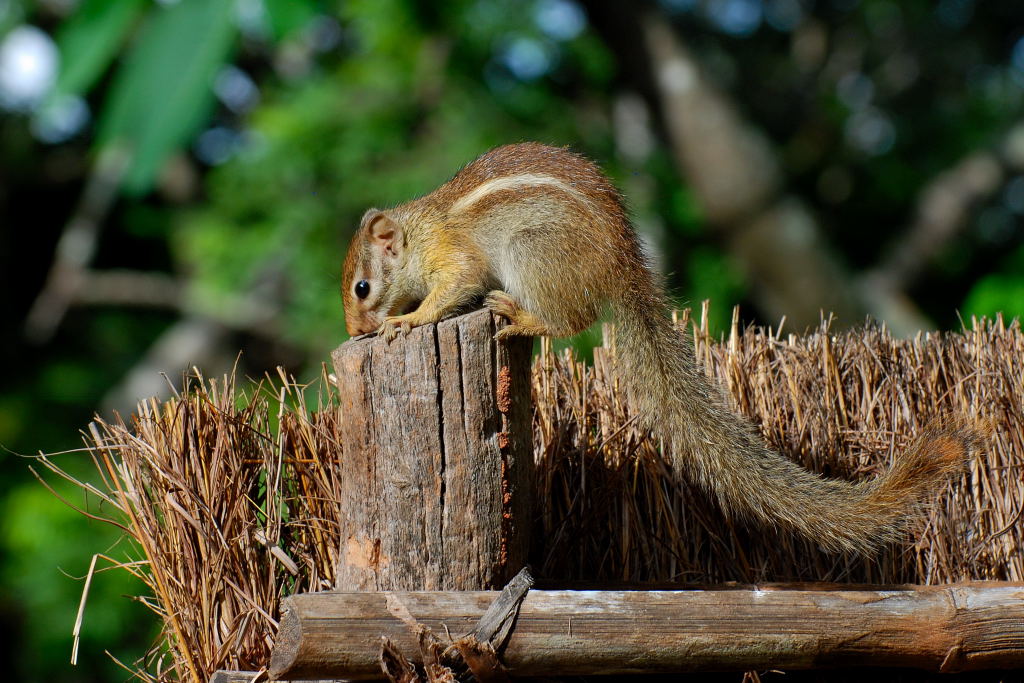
(543,234)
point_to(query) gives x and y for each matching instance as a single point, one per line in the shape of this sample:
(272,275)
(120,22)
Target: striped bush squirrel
(541,234)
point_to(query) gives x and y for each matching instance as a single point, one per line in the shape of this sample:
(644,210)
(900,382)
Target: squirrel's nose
(358,327)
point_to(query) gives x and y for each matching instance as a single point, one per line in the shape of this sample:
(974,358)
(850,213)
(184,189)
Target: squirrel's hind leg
(522,322)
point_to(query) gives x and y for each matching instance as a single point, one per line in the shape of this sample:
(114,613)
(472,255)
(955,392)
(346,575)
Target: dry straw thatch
(230,499)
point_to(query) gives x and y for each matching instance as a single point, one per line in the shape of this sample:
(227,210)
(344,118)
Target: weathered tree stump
(438,461)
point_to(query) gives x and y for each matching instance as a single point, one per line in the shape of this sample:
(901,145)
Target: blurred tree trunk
(734,174)
(774,236)
(943,210)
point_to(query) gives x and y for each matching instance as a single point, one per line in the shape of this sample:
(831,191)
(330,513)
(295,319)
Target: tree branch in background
(77,246)
(199,338)
(137,289)
(191,341)
(943,210)
(943,207)
(129,288)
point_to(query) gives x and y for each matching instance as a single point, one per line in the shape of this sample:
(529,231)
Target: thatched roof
(230,497)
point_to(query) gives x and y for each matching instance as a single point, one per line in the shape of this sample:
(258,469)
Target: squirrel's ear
(382,231)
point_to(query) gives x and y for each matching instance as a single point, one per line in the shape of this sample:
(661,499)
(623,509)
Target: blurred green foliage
(47,555)
(45,546)
(246,139)
(161,94)
(1001,291)
(374,129)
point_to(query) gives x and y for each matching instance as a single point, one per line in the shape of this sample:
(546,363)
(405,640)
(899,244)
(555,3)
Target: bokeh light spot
(235,89)
(871,131)
(560,19)
(28,68)
(527,58)
(735,17)
(61,119)
(855,90)
(216,145)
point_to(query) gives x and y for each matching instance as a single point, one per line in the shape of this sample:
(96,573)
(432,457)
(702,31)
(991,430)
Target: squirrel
(542,235)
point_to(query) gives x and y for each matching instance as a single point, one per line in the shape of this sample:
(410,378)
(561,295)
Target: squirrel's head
(366,282)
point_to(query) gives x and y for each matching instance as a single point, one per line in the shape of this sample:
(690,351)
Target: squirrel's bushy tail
(721,451)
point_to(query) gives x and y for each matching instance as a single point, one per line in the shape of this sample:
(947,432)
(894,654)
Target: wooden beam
(559,633)
(438,458)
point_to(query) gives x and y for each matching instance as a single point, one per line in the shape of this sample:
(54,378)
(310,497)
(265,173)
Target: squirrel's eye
(362,289)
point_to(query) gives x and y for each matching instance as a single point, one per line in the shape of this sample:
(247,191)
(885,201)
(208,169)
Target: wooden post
(574,633)
(438,460)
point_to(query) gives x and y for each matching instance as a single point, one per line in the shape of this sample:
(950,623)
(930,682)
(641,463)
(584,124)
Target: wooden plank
(560,633)
(438,459)
(227,676)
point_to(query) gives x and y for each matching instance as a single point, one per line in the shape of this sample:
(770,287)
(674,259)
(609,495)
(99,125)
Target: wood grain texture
(436,475)
(225,676)
(946,628)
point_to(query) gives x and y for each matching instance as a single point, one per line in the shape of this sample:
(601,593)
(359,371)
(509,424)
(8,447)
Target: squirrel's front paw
(388,330)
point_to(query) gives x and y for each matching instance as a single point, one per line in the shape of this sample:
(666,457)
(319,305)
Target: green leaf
(999,291)
(996,293)
(288,16)
(89,40)
(163,92)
